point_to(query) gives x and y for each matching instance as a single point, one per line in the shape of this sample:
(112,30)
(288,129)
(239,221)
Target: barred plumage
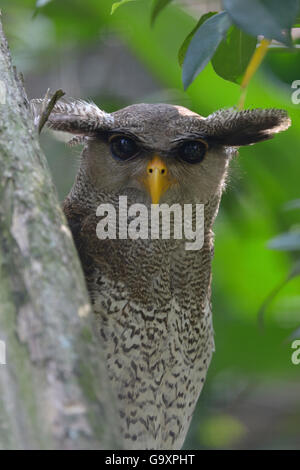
(151,298)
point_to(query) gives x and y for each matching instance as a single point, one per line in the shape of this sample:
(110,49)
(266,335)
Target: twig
(49,107)
(253,65)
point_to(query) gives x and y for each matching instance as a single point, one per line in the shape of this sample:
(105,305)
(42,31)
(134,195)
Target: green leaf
(157,7)
(271,18)
(118,4)
(203,46)
(186,42)
(233,55)
(289,241)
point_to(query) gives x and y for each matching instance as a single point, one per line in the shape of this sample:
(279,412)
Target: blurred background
(251,399)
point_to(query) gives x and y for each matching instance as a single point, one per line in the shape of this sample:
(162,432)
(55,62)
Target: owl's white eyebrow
(125,133)
(188,137)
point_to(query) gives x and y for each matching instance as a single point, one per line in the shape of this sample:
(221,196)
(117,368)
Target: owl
(151,296)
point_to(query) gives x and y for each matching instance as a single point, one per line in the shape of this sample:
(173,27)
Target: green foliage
(116,5)
(233,55)
(241,23)
(186,42)
(203,46)
(263,179)
(271,18)
(158,6)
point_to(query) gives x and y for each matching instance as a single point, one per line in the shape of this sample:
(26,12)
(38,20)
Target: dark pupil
(123,148)
(193,152)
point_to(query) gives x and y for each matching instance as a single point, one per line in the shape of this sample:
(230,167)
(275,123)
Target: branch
(54,389)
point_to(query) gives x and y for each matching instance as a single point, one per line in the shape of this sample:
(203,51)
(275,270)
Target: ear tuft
(235,128)
(76,116)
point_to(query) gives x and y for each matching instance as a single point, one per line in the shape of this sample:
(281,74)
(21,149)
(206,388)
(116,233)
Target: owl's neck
(88,197)
(182,273)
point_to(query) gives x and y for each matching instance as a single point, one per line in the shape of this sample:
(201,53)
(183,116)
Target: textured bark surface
(53,389)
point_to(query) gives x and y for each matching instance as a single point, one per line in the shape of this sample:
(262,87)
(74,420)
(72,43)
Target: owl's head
(160,152)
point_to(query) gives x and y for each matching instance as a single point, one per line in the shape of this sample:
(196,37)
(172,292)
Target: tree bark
(54,392)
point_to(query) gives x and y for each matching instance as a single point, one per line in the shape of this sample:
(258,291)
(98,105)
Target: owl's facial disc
(157,179)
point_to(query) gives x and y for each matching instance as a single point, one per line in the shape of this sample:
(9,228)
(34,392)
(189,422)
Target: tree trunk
(53,389)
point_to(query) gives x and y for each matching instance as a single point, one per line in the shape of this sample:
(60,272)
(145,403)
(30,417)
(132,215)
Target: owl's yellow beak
(157,180)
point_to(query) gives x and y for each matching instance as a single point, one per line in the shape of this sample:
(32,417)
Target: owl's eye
(123,147)
(192,151)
